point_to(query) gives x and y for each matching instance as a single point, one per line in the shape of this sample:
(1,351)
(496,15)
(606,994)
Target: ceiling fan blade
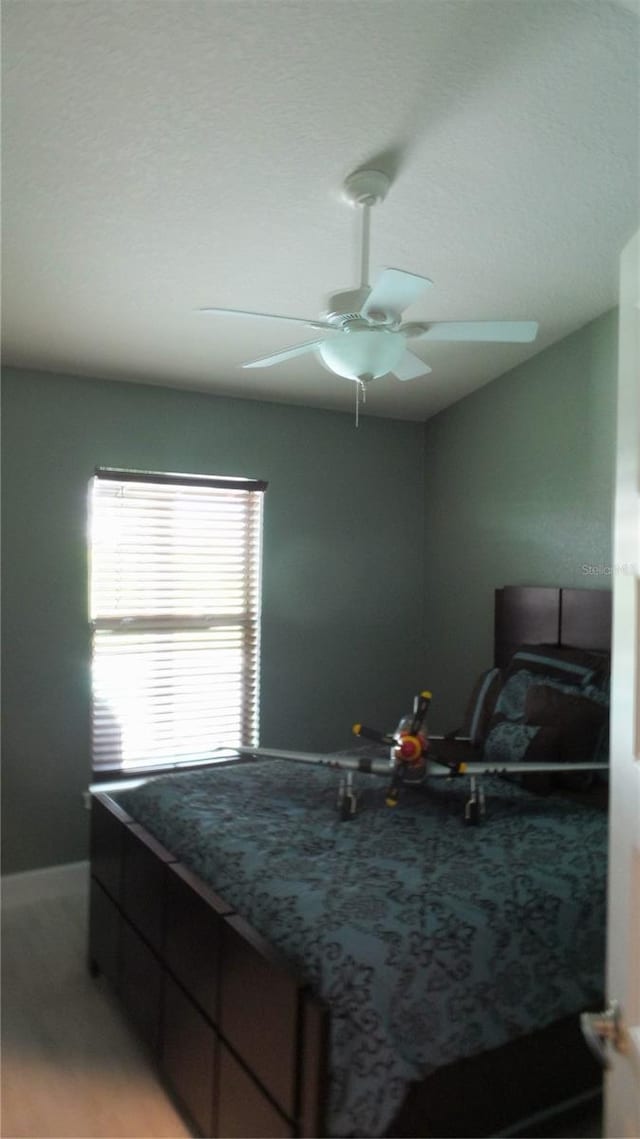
(410,367)
(266,316)
(513,331)
(394,291)
(286,354)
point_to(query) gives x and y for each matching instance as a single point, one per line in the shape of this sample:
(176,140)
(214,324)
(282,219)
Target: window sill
(110,778)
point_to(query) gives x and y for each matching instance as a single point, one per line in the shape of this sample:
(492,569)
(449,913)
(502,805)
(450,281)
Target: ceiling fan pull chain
(361,396)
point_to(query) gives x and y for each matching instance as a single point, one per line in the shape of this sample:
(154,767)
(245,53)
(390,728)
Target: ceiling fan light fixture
(370,352)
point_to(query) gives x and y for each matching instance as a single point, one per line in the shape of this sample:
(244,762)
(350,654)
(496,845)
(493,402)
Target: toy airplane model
(410,762)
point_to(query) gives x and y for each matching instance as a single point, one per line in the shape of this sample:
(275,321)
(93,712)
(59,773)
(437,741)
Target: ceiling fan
(362,334)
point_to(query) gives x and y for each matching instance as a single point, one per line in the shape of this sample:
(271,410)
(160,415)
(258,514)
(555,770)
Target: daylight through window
(175,583)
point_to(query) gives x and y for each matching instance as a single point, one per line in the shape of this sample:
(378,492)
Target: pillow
(509,742)
(563,667)
(579,720)
(510,704)
(481,705)
(565,664)
(601,752)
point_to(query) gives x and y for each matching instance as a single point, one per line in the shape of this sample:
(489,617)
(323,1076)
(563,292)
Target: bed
(282,998)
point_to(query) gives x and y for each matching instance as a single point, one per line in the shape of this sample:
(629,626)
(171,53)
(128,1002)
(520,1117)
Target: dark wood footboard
(240,1041)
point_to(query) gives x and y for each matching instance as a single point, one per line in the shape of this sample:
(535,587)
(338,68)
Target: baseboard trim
(68,879)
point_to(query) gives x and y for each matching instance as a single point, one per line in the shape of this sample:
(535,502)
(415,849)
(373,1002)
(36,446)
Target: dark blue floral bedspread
(430,941)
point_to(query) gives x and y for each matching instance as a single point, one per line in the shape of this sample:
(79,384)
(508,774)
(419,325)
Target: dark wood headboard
(546,615)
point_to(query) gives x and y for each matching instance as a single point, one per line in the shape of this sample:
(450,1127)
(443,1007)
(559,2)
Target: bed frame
(240,1041)
(529,615)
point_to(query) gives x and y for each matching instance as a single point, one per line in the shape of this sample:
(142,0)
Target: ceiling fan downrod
(365,188)
(365,246)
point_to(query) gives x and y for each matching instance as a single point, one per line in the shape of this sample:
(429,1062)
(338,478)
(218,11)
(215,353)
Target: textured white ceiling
(161,155)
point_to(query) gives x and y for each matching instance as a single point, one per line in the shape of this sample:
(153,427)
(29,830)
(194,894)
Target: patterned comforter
(430,941)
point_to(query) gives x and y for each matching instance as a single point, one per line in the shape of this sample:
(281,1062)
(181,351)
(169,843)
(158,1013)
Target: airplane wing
(478,767)
(321,759)
(436,767)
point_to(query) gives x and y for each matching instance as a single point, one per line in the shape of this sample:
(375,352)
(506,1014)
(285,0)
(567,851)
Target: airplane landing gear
(347,798)
(475,806)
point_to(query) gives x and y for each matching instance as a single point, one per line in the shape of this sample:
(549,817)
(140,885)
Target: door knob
(600,1027)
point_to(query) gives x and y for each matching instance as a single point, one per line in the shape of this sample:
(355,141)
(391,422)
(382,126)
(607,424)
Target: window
(175,577)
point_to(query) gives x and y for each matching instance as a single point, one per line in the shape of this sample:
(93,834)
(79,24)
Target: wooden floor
(70,1066)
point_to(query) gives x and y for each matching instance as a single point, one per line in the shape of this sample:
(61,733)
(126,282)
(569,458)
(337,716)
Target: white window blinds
(175,577)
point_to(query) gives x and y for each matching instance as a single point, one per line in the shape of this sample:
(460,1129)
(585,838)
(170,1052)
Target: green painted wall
(519,491)
(514,485)
(341,605)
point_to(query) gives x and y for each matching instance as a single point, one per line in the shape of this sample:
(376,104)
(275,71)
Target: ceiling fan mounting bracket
(366,187)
